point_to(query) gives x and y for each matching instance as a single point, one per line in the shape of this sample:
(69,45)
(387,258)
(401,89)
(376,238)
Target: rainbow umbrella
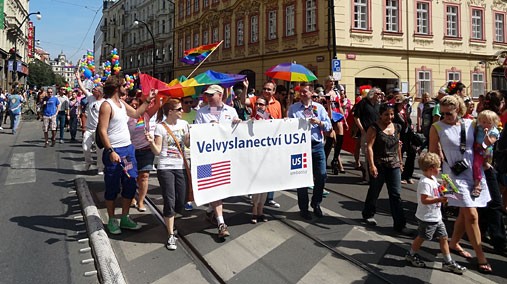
(291,72)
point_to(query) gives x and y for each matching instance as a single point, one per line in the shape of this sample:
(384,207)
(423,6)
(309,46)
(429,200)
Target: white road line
(22,169)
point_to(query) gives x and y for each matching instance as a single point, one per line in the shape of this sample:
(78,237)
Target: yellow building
(415,45)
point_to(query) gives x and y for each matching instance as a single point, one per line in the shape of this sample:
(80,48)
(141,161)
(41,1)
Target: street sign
(337,69)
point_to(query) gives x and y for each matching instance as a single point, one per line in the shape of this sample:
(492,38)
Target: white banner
(251,157)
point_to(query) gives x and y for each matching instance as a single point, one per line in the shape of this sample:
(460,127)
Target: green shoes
(129,224)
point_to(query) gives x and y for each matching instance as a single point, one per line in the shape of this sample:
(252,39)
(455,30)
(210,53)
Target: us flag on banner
(213,175)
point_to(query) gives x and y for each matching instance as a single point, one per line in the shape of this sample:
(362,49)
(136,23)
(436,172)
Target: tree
(40,74)
(60,80)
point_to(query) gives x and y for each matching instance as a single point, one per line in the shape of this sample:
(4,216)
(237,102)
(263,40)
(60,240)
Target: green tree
(60,80)
(40,74)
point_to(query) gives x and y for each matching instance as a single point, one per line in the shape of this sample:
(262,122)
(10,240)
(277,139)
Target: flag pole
(216,47)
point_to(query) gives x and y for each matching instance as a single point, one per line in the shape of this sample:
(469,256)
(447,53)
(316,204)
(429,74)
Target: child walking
(429,215)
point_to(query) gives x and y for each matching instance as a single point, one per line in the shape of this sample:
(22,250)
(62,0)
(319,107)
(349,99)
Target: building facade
(64,68)
(14,12)
(414,45)
(146,46)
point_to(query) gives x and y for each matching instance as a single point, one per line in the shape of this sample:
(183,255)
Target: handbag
(417,139)
(190,192)
(98,141)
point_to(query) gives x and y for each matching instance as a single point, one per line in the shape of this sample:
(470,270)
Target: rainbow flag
(198,54)
(140,122)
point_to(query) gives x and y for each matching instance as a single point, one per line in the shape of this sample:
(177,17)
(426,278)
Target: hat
(212,89)
(396,90)
(442,91)
(398,99)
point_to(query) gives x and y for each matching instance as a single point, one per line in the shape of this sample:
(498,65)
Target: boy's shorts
(429,230)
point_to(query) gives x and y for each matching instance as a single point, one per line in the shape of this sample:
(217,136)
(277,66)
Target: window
(392,19)
(163,26)
(272,24)
(361,14)
(423,11)
(205,37)
(452,21)
(423,82)
(311,16)
(187,42)
(477,84)
(453,76)
(196,5)
(205,3)
(254,28)
(499,27)
(189,7)
(477,24)
(240,29)
(215,34)
(289,20)
(196,39)
(227,35)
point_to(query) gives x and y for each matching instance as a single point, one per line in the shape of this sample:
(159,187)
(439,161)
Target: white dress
(450,139)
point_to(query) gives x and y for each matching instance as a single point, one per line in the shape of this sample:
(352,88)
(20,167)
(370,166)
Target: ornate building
(64,68)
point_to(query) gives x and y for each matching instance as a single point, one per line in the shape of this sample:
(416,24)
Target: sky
(66,25)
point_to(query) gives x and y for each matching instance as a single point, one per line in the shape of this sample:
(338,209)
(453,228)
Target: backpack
(427,117)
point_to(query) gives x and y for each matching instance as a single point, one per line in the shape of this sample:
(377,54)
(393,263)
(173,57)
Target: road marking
(22,169)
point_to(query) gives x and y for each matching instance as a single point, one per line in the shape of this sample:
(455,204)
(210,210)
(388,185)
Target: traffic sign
(337,69)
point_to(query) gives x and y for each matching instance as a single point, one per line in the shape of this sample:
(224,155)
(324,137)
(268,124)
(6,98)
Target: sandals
(476,193)
(463,253)
(484,268)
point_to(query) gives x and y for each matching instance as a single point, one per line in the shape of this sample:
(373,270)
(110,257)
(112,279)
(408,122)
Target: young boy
(429,215)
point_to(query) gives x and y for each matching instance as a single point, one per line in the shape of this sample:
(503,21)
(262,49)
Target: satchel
(417,139)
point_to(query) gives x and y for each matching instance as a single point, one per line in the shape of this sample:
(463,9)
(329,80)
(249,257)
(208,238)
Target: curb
(107,265)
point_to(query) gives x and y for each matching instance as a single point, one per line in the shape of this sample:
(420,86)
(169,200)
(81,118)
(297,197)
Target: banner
(250,157)
(30,39)
(2,16)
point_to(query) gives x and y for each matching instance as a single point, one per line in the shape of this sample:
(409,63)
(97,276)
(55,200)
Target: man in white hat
(218,112)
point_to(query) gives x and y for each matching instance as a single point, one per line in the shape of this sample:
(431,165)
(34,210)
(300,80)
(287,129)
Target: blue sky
(66,25)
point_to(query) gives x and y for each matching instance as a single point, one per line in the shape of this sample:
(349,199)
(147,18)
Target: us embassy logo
(298,164)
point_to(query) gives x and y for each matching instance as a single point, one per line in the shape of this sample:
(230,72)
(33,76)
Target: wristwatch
(109,151)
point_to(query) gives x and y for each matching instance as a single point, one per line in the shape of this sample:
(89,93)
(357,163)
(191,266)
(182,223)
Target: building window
(254,29)
(205,37)
(227,35)
(187,43)
(452,18)
(240,29)
(361,14)
(453,76)
(272,24)
(423,82)
(205,3)
(289,20)
(181,9)
(392,18)
(196,5)
(477,24)
(163,26)
(196,39)
(423,15)
(215,34)
(189,7)
(477,84)
(311,16)
(499,27)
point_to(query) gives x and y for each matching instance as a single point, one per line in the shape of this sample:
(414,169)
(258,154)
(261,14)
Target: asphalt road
(39,234)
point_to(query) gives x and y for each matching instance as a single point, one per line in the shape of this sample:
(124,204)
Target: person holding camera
(452,138)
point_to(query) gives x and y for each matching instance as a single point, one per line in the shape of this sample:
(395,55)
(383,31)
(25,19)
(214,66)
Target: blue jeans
(319,178)
(392,178)
(60,122)
(73,127)
(15,122)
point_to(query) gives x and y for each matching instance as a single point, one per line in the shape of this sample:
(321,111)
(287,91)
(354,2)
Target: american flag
(213,175)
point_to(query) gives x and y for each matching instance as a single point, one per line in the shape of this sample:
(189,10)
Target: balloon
(87,73)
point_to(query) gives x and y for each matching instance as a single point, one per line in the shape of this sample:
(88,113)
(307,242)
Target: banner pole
(189,75)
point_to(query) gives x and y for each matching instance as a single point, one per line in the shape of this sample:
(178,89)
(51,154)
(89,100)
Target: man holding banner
(218,112)
(317,116)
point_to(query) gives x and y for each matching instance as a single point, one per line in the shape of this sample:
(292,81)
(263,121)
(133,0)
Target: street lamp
(18,28)
(136,22)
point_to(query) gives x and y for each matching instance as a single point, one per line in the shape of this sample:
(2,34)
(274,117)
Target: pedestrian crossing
(22,169)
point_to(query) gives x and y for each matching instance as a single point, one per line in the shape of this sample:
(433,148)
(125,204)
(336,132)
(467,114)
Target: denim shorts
(429,230)
(144,158)
(114,174)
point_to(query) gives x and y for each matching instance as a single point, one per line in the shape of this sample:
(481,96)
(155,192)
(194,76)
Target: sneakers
(61,141)
(370,221)
(113,226)
(273,204)
(325,193)
(171,242)
(188,206)
(210,216)
(223,231)
(452,266)
(127,223)
(415,260)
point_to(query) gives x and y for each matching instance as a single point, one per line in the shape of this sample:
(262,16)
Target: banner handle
(216,47)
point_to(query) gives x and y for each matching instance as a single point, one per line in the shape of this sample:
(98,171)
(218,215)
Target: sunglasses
(447,113)
(178,109)
(187,102)
(260,104)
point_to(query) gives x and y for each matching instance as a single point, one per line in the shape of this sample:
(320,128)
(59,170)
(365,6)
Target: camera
(459,167)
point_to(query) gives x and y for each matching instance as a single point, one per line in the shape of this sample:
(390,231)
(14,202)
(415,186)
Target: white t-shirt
(170,157)
(92,112)
(223,114)
(428,212)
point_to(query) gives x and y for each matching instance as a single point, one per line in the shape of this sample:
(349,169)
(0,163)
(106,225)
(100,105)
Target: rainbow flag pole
(200,63)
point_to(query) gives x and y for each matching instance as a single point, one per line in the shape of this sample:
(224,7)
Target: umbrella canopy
(291,72)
